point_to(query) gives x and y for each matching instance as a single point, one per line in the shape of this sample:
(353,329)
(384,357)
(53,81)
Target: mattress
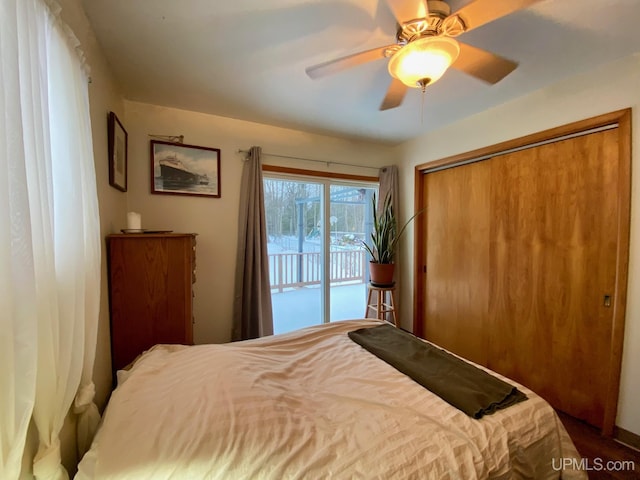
(309,404)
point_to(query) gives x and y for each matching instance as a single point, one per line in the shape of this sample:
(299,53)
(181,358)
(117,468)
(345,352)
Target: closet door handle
(607,301)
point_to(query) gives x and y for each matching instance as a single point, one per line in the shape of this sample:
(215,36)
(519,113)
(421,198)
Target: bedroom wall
(216,219)
(606,89)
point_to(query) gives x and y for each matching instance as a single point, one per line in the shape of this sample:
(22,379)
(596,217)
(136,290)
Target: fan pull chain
(422,83)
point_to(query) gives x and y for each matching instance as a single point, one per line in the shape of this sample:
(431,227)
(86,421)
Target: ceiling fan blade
(343,63)
(484,65)
(395,95)
(407,10)
(484,11)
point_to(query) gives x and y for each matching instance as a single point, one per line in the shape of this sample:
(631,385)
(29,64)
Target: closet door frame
(621,118)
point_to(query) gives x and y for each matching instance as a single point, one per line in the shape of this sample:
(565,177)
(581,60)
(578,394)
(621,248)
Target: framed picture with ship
(179,169)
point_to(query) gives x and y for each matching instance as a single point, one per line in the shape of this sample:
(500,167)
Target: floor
(599,451)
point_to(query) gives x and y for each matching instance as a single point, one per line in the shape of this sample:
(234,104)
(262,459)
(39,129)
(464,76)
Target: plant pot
(381,274)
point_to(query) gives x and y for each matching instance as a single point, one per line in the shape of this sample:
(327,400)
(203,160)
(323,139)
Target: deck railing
(293,270)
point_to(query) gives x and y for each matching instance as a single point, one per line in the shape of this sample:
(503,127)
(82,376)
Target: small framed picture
(117,153)
(179,169)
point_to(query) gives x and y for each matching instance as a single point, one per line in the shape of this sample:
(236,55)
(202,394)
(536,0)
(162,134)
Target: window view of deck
(317,266)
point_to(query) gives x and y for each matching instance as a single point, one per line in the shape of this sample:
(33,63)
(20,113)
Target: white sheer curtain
(18,330)
(49,235)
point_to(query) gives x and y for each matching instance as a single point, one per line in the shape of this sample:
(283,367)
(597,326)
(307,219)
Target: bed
(309,404)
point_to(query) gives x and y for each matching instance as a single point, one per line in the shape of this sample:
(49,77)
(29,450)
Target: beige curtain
(252,317)
(389,184)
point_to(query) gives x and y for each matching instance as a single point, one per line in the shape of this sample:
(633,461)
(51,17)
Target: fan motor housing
(424,27)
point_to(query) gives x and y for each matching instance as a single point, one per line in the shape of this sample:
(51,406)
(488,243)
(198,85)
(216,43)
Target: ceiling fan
(425,46)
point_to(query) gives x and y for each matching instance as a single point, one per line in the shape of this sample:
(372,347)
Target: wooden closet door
(542,223)
(458,234)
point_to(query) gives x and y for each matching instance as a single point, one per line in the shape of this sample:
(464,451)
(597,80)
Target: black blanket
(457,382)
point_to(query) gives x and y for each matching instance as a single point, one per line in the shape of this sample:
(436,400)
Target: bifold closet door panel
(458,238)
(553,260)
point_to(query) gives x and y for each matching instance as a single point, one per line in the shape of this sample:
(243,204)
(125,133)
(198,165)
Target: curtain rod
(327,162)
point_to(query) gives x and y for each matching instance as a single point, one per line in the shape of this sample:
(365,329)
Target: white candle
(134,221)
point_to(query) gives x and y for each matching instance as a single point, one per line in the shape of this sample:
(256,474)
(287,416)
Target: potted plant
(384,242)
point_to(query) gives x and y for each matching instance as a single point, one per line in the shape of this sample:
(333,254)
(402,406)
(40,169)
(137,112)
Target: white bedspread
(310,404)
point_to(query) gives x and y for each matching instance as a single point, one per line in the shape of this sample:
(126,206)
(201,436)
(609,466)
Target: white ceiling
(246,59)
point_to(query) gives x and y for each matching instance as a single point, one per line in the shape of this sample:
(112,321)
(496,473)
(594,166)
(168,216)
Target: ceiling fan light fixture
(423,61)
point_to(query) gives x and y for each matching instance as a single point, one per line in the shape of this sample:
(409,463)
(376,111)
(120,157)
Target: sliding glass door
(317,266)
(294,212)
(350,223)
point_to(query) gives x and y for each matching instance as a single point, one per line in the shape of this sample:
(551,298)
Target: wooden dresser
(151,280)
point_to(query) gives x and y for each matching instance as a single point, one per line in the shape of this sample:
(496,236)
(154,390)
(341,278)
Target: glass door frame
(326,181)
